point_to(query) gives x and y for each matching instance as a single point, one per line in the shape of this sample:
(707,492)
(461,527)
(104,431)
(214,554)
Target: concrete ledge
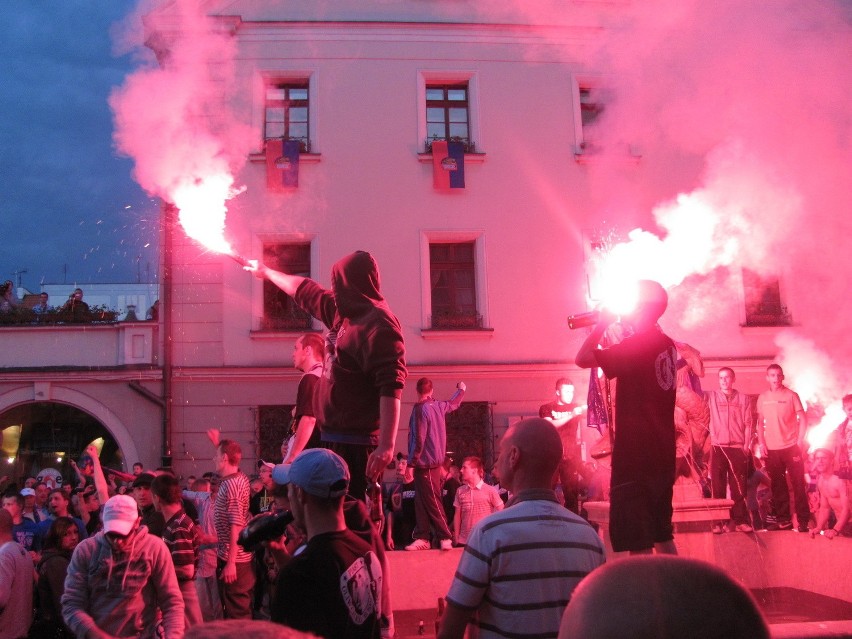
(757,560)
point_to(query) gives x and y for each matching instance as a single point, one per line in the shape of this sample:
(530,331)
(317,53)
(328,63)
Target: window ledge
(466,333)
(631,155)
(304,158)
(268,335)
(764,330)
(469,158)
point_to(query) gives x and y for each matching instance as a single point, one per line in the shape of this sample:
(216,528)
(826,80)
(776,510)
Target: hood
(355,284)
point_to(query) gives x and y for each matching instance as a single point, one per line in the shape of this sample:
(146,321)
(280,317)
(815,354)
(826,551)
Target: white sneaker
(419,544)
(446,544)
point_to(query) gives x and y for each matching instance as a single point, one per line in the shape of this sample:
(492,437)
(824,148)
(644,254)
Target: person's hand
(229,573)
(606,317)
(830,533)
(461,386)
(764,452)
(213,435)
(378,461)
(256,268)
(813,532)
(389,543)
(73,464)
(92,452)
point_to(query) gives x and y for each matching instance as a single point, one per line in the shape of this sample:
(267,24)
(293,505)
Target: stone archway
(46,392)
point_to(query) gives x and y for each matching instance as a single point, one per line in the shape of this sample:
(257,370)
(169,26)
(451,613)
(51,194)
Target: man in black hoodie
(357,402)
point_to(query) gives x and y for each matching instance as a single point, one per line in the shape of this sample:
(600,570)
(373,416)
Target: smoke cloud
(172,119)
(761,92)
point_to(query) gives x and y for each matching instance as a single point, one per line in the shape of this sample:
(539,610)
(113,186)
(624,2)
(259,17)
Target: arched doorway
(41,435)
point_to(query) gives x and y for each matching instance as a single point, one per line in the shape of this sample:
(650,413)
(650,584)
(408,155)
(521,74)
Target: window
(763,305)
(448,114)
(280,311)
(287,113)
(273,422)
(589,105)
(452,272)
(470,431)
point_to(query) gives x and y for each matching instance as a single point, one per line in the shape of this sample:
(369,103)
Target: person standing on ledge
(358,396)
(643,453)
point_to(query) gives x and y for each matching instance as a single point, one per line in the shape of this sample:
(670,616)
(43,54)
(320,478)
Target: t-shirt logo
(664,366)
(361,587)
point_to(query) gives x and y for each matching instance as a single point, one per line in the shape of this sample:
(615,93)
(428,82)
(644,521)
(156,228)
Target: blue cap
(318,471)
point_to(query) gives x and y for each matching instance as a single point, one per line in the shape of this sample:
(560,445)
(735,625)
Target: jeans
(236,596)
(779,465)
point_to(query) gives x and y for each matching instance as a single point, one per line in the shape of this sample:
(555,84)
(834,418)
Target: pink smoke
(173,120)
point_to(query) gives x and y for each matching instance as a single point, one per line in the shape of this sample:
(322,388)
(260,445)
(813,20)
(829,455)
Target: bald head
(529,455)
(662,596)
(255,628)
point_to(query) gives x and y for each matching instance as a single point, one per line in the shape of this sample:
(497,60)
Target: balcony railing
(22,316)
(456,320)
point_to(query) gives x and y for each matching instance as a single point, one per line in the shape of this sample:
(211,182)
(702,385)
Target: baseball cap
(27,492)
(143,479)
(317,471)
(120,514)
(264,464)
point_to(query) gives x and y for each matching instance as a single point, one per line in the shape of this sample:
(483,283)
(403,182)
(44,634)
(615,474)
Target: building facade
(459,149)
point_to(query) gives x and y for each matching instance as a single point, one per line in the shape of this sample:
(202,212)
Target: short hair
(138,464)
(730,370)
(201,484)
(847,399)
(476,462)
(166,488)
(776,367)
(825,451)
(232,449)
(57,531)
(424,386)
(316,342)
(563,381)
(653,299)
(16,496)
(61,492)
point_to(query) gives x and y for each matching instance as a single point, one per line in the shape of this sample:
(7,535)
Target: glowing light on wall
(818,435)
(11,440)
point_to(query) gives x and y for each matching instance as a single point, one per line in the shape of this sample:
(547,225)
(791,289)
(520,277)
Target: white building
(481,277)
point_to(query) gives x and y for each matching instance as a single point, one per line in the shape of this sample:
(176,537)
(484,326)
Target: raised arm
(286,282)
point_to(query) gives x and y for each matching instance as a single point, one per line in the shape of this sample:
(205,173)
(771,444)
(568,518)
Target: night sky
(71,211)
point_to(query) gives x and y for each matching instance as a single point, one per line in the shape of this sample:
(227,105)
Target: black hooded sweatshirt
(365,352)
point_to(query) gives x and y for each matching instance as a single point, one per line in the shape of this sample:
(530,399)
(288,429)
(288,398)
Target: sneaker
(446,544)
(744,528)
(803,529)
(717,529)
(781,525)
(419,544)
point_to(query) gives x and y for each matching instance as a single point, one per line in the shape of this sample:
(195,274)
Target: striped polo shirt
(521,565)
(231,509)
(183,539)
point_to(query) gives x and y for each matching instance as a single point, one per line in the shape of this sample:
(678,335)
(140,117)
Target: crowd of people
(303,543)
(38,309)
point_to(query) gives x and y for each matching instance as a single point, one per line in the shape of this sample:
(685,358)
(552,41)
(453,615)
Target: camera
(263,528)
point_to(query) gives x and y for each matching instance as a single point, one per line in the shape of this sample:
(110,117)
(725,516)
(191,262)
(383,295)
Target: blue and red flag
(282,164)
(447,164)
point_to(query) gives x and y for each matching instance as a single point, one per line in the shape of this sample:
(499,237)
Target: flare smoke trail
(173,120)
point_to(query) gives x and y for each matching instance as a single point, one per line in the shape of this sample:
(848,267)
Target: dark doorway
(44,435)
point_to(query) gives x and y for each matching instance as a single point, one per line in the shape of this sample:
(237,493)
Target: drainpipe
(170,219)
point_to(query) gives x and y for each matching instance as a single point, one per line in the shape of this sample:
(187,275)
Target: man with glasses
(120,580)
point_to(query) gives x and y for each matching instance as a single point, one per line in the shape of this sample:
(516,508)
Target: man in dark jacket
(358,397)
